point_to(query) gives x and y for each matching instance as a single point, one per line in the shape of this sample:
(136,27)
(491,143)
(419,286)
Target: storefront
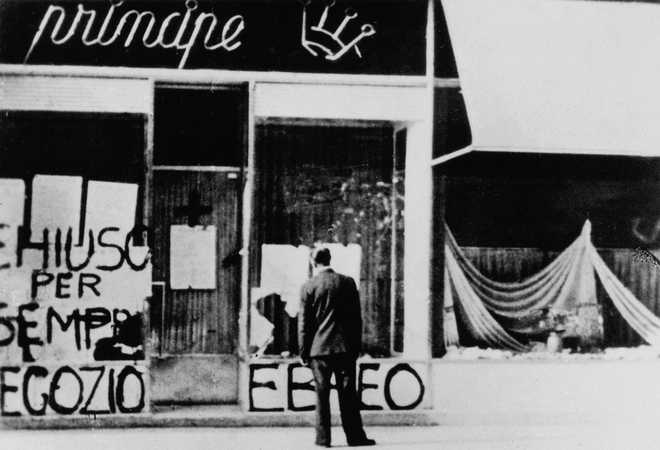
(236,136)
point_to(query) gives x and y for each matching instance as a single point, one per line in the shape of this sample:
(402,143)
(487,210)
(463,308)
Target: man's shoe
(323,444)
(362,443)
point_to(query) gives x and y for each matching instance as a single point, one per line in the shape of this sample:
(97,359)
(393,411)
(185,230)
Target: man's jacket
(330,319)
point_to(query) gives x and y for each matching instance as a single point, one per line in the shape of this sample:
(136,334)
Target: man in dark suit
(329,335)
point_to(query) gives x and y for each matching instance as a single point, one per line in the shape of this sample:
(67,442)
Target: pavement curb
(211,419)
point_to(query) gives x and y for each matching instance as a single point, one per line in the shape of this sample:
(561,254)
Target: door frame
(220,369)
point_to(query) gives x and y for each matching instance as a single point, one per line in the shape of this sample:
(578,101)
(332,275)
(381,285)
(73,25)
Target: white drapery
(564,284)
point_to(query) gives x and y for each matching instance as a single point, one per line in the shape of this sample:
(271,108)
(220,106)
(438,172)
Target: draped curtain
(493,312)
(643,279)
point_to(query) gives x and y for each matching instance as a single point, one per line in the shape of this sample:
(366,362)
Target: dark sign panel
(365,36)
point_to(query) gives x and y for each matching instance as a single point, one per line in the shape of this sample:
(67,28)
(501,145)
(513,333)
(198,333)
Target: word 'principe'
(180,31)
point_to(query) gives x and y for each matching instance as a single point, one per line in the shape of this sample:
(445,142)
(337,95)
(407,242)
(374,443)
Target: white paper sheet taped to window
(56,203)
(345,259)
(284,269)
(261,329)
(12,199)
(111,205)
(192,257)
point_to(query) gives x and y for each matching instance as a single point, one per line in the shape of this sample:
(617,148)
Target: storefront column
(248,199)
(417,342)
(417,242)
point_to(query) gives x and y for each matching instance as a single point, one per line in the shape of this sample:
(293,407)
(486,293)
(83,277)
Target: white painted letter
(42,26)
(231,31)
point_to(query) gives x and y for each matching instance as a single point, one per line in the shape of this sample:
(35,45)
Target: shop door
(197,210)
(197,184)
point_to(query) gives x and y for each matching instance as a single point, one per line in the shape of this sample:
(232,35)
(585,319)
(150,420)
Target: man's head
(321,257)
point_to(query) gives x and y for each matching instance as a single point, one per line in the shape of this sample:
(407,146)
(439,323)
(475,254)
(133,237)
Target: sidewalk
(455,437)
(217,416)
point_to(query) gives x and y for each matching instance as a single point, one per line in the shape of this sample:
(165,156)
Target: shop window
(95,146)
(108,147)
(199,127)
(512,214)
(329,183)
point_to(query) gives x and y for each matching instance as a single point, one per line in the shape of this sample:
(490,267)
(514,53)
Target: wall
(522,391)
(194,379)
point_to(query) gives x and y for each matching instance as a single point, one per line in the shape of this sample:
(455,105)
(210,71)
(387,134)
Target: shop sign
(379,36)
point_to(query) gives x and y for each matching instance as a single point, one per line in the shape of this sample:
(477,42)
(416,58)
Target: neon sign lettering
(200,29)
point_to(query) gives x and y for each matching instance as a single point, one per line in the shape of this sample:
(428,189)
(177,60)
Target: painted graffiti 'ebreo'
(276,387)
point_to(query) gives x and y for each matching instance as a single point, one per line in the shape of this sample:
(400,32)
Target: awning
(559,76)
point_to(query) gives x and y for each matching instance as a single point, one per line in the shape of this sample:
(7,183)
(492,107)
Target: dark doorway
(199,153)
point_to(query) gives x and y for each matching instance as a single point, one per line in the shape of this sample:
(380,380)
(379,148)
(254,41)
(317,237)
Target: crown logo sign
(320,39)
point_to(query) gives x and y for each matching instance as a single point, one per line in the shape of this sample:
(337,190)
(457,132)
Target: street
(453,437)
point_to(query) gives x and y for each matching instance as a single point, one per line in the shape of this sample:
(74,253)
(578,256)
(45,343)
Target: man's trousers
(343,367)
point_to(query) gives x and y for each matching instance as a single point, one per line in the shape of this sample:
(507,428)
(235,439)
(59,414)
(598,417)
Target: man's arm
(355,318)
(305,324)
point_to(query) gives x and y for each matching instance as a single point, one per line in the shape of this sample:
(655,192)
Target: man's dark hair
(321,256)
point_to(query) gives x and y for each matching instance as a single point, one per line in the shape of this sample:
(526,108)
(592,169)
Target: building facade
(165,168)
(235,136)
